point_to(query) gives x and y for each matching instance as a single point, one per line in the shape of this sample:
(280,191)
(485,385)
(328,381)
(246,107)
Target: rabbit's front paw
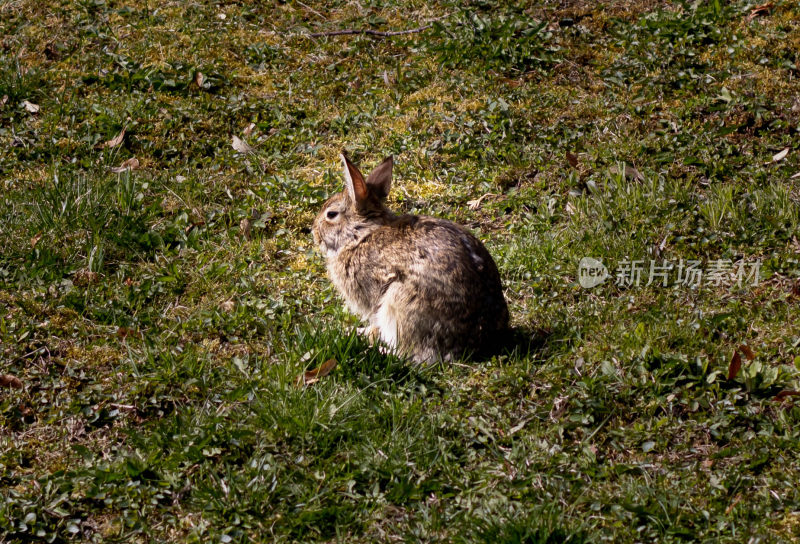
(370,332)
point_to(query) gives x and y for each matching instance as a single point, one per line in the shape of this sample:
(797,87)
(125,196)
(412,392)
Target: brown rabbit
(426,287)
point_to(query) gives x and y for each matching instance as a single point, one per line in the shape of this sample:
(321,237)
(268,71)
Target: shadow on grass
(521,343)
(514,344)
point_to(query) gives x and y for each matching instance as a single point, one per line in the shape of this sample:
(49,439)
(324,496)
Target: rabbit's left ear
(380,180)
(354,182)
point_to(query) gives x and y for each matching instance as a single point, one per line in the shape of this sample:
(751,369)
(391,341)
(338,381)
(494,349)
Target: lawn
(160,294)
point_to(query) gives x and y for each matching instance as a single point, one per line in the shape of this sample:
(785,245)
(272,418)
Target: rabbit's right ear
(380,180)
(354,182)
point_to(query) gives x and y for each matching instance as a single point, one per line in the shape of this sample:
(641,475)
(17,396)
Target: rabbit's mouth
(323,248)
(328,252)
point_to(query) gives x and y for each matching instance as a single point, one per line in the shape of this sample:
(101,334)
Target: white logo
(591,272)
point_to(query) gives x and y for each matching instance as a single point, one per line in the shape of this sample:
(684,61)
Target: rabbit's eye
(332,214)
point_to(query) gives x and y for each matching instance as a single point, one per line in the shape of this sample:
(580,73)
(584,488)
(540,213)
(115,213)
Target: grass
(158,318)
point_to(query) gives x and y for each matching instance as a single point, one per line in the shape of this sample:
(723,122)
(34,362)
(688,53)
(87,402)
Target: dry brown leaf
(735,365)
(785,394)
(3,101)
(30,107)
(124,332)
(733,504)
(780,155)
(85,276)
(631,173)
(227,306)
(130,164)
(7,380)
(249,129)
(476,203)
(795,176)
(572,159)
(199,78)
(745,349)
(571,208)
(314,375)
(115,141)
(35,239)
(244,226)
(763,9)
(511,82)
(240,145)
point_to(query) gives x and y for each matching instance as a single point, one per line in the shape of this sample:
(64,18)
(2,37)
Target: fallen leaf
(314,375)
(3,101)
(249,129)
(733,504)
(115,141)
(572,159)
(7,380)
(35,239)
(122,406)
(735,365)
(124,332)
(130,164)
(795,176)
(199,78)
(763,9)
(30,106)
(780,155)
(240,145)
(227,306)
(85,277)
(518,427)
(511,82)
(244,226)
(785,394)
(476,203)
(570,208)
(188,228)
(744,348)
(631,173)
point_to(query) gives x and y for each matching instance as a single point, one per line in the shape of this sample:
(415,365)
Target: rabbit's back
(427,285)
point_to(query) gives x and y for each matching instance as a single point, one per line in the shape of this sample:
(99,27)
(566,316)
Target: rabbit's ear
(354,182)
(380,180)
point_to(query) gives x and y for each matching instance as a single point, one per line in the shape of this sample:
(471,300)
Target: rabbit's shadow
(375,364)
(517,343)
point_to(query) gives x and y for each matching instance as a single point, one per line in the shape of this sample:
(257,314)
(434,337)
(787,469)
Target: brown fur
(426,286)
